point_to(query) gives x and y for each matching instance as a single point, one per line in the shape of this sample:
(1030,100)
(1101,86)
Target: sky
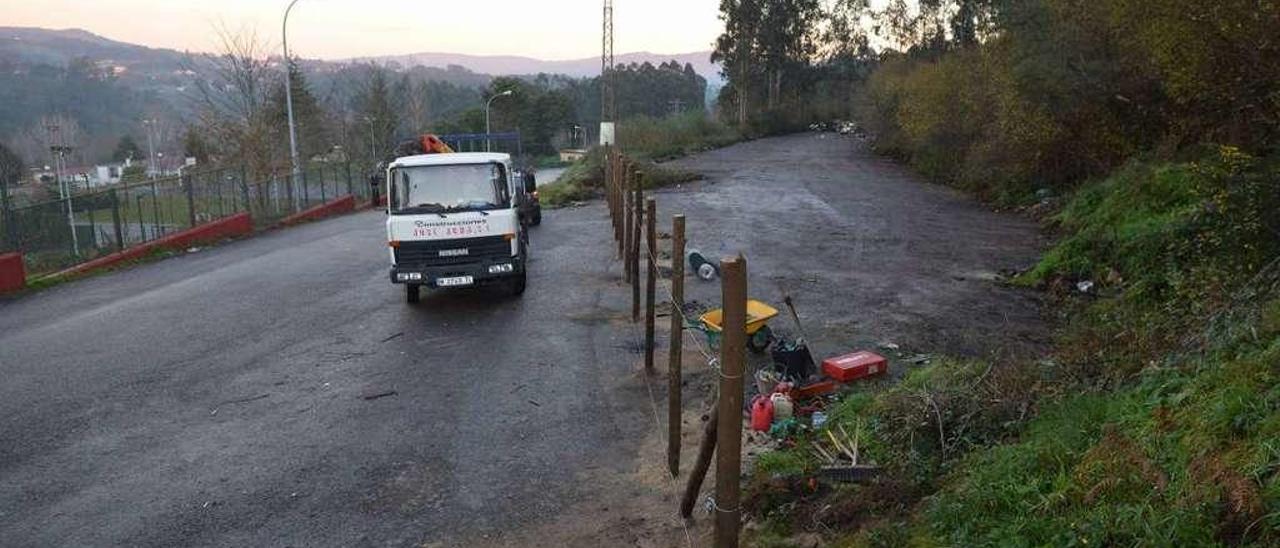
(336,29)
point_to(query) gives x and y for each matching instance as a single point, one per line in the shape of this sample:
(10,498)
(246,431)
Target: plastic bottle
(782,409)
(819,419)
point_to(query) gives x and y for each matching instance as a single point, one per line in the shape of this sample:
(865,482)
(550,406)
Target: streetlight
(288,100)
(487,147)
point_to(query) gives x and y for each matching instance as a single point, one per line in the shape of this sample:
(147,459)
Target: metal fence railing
(59,233)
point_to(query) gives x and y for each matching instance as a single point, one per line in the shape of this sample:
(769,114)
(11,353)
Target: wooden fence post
(628,221)
(733,345)
(706,449)
(618,206)
(674,381)
(651,278)
(607,185)
(637,199)
(611,188)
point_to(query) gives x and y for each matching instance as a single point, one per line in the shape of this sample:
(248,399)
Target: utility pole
(59,153)
(288,100)
(608,99)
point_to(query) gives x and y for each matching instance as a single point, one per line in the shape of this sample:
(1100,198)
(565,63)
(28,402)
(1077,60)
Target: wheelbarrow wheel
(759,341)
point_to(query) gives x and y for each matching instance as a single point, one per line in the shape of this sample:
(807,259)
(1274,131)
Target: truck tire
(412,293)
(517,285)
(537,217)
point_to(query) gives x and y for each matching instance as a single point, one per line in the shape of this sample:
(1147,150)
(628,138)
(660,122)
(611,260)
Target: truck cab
(453,220)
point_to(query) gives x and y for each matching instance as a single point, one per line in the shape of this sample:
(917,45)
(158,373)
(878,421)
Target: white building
(109,174)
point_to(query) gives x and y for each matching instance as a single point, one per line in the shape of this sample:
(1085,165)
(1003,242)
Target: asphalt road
(277,391)
(219,398)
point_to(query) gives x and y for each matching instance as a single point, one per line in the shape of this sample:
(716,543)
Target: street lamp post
(487,131)
(288,100)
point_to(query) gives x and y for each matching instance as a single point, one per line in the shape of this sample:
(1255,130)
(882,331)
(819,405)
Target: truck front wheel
(411,293)
(517,284)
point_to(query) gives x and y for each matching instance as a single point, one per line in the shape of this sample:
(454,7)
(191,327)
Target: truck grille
(428,253)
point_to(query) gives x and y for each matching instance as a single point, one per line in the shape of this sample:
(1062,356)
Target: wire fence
(63,231)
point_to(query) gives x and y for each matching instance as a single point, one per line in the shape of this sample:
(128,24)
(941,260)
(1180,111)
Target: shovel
(795,358)
(795,318)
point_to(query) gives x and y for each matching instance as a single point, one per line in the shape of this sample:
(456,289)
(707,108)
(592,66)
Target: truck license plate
(455,282)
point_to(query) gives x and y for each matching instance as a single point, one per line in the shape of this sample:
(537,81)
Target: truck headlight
(501,268)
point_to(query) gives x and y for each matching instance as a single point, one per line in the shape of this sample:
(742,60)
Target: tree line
(1003,95)
(233,112)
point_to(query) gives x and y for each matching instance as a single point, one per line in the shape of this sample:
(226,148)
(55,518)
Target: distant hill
(27,45)
(578,68)
(35,46)
(158,82)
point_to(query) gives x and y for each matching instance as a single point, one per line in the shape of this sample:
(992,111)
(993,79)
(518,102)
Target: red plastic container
(855,366)
(761,413)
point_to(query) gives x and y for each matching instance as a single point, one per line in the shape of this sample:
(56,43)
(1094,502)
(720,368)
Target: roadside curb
(345,204)
(240,224)
(364,205)
(13,274)
(235,226)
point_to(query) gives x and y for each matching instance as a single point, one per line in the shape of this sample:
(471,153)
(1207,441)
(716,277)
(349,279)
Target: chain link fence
(62,232)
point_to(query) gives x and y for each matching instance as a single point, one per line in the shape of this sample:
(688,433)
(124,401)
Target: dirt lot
(869,253)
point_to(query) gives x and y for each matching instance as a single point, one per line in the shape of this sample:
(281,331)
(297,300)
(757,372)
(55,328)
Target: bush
(1176,243)
(661,139)
(585,180)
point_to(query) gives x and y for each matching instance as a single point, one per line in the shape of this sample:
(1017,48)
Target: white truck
(454,220)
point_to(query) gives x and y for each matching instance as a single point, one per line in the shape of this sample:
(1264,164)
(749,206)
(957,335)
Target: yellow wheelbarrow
(759,336)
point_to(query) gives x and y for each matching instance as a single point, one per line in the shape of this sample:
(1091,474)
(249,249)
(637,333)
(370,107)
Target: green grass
(585,180)
(660,139)
(549,161)
(1185,457)
(649,141)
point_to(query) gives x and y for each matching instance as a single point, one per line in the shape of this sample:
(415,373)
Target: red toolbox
(855,366)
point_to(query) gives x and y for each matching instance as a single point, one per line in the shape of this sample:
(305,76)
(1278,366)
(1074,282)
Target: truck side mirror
(530,185)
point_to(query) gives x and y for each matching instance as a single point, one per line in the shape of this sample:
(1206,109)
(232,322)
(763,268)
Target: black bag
(792,360)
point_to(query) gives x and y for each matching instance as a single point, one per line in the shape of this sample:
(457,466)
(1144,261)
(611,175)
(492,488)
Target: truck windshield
(443,188)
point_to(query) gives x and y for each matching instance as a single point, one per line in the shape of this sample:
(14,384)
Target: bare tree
(417,106)
(35,143)
(233,104)
(233,99)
